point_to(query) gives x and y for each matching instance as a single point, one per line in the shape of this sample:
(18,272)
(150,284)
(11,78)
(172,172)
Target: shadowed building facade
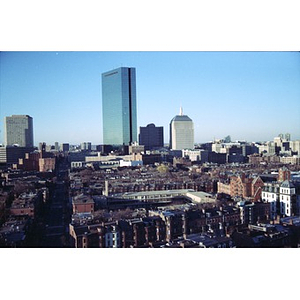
(151,136)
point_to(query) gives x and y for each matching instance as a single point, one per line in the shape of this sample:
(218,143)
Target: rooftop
(287,184)
(158,193)
(82,199)
(181,118)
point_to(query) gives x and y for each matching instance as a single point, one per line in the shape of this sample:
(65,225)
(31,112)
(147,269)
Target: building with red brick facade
(83,204)
(242,186)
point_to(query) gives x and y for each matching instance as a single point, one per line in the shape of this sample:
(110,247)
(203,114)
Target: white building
(288,199)
(295,146)
(195,155)
(217,147)
(282,198)
(268,148)
(181,132)
(271,194)
(131,163)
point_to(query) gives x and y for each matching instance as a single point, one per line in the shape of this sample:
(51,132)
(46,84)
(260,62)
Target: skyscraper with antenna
(181,132)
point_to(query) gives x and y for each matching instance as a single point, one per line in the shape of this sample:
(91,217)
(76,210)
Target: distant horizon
(166,144)
(251,96)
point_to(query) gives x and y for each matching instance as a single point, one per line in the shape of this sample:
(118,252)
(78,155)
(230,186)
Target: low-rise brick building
(82,204)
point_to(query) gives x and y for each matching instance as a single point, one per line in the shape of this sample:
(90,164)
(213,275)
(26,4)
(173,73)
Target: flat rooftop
(158,193)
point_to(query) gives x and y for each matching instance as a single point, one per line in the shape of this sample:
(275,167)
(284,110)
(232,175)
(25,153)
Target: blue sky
(252,96)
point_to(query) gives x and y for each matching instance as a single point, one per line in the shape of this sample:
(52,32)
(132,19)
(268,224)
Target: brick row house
(242,186)
(159,227)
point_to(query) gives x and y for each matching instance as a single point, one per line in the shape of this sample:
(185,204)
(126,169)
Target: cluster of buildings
(182,214)
(22,204)
(19,151)
(132,191)
(161,228)
(120,132)
(279,191)
(181,226)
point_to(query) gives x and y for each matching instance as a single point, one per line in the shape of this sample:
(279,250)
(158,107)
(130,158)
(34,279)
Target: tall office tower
(119,107)
(181,132)
(151,136)
(65,147)
(19,130)
(56,146)
(86,146)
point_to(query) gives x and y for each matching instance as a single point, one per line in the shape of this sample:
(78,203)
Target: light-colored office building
(295,146)
(19,130)
(181,132)
(195,155)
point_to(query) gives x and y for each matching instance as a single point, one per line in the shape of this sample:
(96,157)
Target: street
(58,214)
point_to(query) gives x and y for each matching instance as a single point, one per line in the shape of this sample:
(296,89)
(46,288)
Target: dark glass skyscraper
(119,106)
(151,137)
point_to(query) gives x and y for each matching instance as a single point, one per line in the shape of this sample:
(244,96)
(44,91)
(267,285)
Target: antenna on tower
(181,111)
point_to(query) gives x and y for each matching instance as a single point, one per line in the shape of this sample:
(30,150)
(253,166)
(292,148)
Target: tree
(163,169)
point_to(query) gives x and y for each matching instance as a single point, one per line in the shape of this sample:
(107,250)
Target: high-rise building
(151,136)
(181,132)
(19,130)
(119,106)
(56,146)
(65,147)
(86,146)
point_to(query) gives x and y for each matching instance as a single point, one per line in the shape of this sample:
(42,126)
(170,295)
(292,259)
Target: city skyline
(250,96)
(40,91)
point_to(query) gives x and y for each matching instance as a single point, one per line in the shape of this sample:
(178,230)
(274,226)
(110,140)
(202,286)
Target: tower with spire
(181,132)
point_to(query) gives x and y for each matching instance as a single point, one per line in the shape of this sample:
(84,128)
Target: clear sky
(250,96)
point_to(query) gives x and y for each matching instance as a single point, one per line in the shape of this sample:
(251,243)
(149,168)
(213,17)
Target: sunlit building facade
(181,132)
(19,130)
(119,106)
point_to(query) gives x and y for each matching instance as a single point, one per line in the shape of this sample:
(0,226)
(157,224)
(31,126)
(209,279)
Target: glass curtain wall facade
(19,130)
(119,106)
